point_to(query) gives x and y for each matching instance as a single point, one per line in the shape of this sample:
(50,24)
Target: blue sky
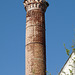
(60,25)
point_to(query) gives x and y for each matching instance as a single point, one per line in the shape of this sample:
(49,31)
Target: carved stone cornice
(35,4)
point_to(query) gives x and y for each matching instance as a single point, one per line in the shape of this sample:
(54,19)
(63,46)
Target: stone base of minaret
(35,37)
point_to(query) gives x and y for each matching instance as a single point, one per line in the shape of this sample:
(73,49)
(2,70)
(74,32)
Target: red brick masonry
(35,41)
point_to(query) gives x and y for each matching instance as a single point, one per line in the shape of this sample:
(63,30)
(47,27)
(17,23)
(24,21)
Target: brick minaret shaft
(35,37)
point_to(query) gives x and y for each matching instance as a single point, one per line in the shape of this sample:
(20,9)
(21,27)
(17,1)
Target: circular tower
(35,57)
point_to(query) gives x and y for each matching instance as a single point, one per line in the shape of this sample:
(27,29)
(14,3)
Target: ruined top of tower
(35,4)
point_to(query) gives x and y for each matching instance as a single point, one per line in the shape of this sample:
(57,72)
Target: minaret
(35,49)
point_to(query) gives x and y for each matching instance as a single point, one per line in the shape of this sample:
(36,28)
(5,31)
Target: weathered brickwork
(35,37)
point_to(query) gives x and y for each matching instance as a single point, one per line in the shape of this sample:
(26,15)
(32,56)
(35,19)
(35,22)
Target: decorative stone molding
(35,4)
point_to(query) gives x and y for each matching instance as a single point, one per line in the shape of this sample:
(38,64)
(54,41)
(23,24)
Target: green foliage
(73,49)
(48,73)
(67,50)
(70,71)
(72,46)
(68,53)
